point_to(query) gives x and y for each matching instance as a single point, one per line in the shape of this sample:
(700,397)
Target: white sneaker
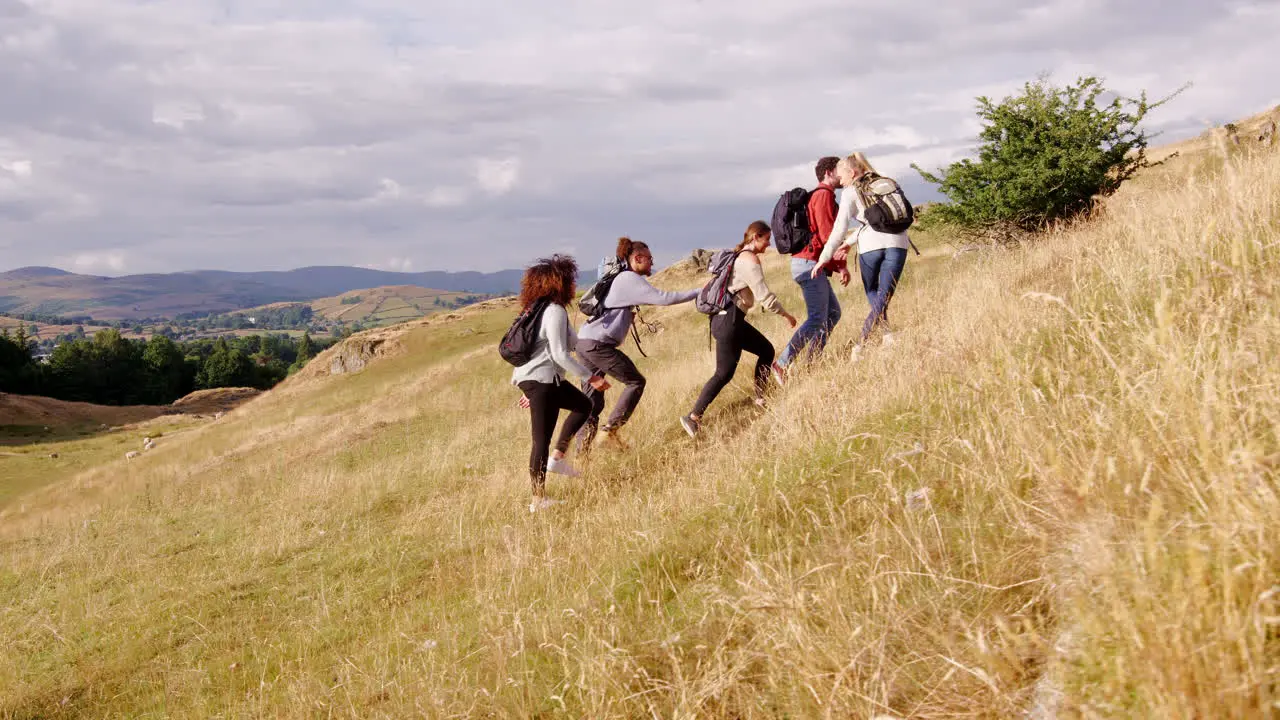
(542,503)
(561,467)
(888,339)
(855,353)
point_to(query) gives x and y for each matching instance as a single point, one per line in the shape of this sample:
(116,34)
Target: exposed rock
(701,259)
(354,353)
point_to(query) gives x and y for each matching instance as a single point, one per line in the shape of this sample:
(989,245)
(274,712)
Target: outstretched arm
(630,288)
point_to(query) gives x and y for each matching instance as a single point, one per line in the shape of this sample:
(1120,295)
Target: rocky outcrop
(354,353)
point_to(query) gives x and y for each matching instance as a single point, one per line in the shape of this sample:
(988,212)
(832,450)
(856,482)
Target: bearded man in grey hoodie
(600,338)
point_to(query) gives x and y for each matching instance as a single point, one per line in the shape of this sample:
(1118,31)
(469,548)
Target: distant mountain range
(52,291)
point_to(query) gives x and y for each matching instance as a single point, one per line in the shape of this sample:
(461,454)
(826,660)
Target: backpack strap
(635,334)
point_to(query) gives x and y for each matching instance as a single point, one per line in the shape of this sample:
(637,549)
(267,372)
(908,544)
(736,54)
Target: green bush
(1046,154)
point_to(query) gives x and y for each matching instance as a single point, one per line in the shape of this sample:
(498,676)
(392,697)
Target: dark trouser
(546,400)
(604,359)
(880,272)
(734,334)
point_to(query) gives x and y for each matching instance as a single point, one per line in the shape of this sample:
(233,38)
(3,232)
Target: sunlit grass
(1057,489)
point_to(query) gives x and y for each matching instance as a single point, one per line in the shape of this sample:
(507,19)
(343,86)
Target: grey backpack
(715,297)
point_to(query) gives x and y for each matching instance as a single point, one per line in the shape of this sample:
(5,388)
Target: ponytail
(627,246)
(755,230)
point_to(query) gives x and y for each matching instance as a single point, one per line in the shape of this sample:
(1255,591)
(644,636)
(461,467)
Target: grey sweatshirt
(551,355)
(628,290)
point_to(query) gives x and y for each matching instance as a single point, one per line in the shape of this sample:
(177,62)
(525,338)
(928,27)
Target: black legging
(546,400)
(734,334)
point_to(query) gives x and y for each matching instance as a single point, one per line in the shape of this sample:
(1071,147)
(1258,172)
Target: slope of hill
(54,292)
(1055,494)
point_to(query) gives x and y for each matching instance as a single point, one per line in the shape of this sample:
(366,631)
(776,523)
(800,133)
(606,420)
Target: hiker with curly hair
(542,379)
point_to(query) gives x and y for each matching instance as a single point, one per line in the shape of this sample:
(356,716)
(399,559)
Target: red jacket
(822,217)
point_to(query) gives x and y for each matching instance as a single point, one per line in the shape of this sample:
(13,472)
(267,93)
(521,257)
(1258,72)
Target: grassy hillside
(1091,423)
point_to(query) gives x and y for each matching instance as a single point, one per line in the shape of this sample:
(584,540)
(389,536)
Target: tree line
(109,369)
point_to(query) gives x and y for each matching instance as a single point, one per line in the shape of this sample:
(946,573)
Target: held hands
(844,274)
(842,253)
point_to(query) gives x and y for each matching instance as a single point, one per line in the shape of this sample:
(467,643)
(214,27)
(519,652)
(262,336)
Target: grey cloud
(677,121)
(13,8)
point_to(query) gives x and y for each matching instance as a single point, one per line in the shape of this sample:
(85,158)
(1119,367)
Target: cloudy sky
(477,134)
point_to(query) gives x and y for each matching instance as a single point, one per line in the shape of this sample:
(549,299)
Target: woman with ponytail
(731,330)
(600,338)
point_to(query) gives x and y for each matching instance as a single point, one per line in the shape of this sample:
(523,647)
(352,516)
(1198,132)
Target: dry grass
(1094,419)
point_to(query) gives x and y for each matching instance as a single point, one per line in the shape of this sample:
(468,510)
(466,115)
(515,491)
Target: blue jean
(880,272)
(823,312)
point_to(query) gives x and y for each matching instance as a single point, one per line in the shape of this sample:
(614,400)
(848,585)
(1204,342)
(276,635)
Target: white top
(551,355)
(748,285)
(866,237)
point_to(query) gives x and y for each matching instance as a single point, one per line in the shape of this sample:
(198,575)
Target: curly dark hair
(824,166)
(555,277)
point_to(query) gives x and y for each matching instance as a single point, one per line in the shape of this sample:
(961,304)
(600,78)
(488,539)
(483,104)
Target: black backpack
(887,207)
(790,225)
(592,301)
(715,297)
(518,344)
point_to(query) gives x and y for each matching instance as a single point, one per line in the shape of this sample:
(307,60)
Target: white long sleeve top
(866,237)
(552,354)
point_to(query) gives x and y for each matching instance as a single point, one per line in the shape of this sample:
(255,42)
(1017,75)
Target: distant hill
(131,297)
(376,306)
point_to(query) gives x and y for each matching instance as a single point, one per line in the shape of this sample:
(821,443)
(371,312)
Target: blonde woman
(731,330)
(881,256)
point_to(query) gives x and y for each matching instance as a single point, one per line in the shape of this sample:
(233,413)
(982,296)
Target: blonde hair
(859,162)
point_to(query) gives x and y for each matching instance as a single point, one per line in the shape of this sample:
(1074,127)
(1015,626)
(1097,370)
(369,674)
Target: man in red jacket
(819,297)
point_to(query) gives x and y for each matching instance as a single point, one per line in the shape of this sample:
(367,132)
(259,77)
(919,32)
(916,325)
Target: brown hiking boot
(610,438)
